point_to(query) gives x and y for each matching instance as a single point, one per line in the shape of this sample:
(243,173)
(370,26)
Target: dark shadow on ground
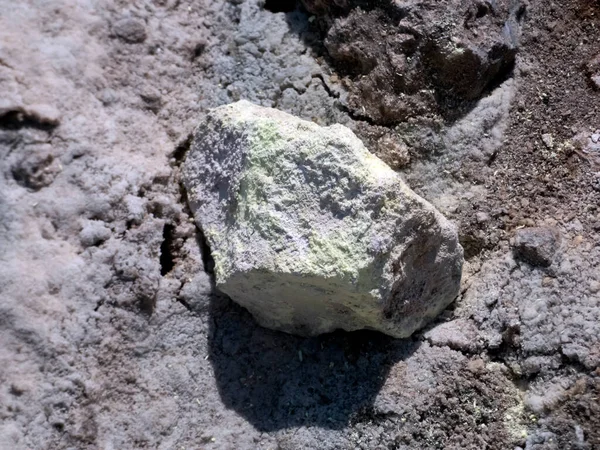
(276,380)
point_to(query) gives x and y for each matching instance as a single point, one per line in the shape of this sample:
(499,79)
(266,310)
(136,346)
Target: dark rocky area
(111,334)
(405,60)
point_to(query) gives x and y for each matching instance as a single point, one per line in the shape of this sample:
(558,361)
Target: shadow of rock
(276,380)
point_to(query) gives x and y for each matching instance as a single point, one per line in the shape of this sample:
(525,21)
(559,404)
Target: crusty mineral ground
(111,335)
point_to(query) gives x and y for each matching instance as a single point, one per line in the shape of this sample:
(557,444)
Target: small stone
(476,366)
(198,49)
(108,96)
(37,169)
(537,245)
(135,207)
(550,222)
(593,71)
(482,217)
(393,152)
(152,98)
(130,30)
(18,388)
(548,140)
(94,232)
(577,240)
(547,281)
(9,105)
(527,221)
(311,232)
(459,334)
(43,113)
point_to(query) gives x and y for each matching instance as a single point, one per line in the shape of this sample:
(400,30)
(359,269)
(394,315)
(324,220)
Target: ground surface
(110,333)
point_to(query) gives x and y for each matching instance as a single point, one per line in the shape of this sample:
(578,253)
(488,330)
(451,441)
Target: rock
(94,232)
(482,217)
(412,58)
(43,114)
(587,146)
(548,141)
(37,169)
(537,245)
(130,30)
(593,71)
(547,281)
(459,334)
(152,98)
(312,233)
(8,106)
(393,152)
(476,366)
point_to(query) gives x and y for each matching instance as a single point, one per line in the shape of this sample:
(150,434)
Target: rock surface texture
(536,245)
(311,232)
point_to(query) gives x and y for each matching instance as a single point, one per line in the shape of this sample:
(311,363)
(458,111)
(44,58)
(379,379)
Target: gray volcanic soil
(111,335)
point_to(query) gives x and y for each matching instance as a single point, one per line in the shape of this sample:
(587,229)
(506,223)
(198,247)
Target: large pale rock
(310,232)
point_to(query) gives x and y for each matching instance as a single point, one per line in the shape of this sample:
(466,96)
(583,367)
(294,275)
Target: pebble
(536,245)
(43,113)
(476,366)
(593,71)
(130,30)
(548,140)
(482,217)
(547,282)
